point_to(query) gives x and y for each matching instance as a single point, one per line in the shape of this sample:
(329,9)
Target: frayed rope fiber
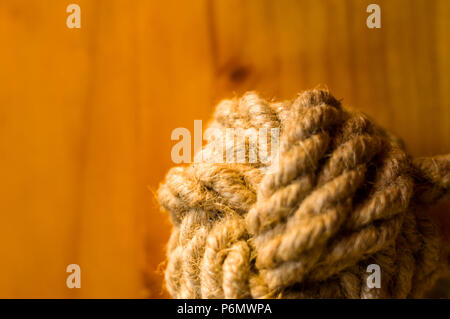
(343,195)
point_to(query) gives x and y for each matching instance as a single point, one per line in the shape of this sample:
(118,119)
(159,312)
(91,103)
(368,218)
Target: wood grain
(86,115)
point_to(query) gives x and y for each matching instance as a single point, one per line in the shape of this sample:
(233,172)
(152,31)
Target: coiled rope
(343,195)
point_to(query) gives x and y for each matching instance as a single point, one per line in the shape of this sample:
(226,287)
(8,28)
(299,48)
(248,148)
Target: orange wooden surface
(86,114)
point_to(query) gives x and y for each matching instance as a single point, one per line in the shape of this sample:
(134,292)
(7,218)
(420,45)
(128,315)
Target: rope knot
(343,194)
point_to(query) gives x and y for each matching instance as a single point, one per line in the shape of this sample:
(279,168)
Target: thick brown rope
(342,195)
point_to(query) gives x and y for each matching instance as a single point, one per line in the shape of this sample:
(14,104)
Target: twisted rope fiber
(343,195)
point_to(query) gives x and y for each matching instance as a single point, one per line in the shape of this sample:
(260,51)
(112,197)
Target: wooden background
(86,114)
